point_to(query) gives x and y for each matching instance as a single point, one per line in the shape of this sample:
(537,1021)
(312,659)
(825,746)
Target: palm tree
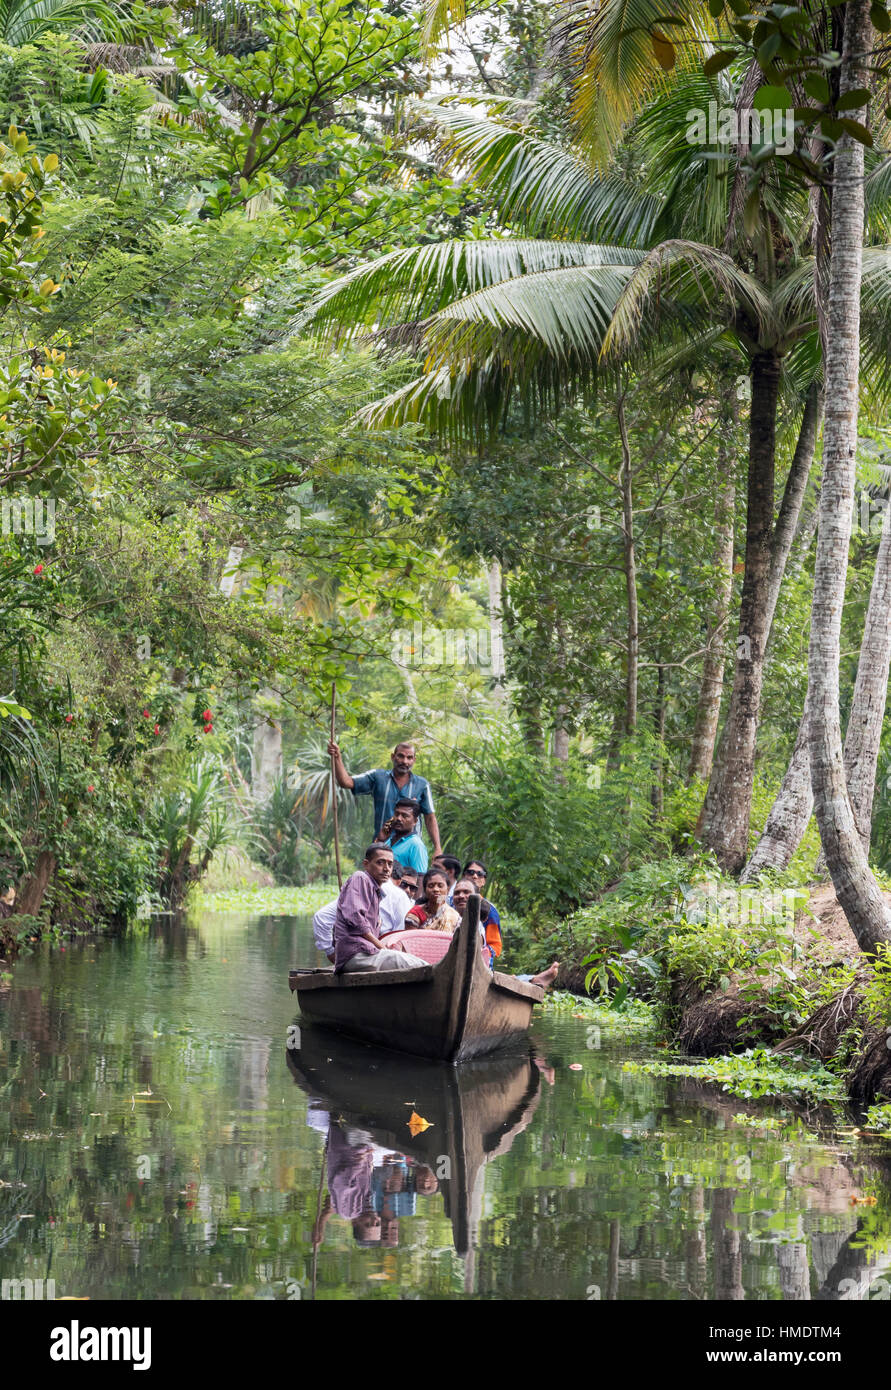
(855,886)
(23,21)
(542,317)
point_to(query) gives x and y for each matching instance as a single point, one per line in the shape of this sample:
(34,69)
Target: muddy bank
(839,1030)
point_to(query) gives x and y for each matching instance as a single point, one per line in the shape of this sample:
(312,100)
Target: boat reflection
(381,1162)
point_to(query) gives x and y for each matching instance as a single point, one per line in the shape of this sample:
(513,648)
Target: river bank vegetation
(431,358)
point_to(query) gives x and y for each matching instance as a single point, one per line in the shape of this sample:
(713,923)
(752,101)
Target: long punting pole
(334,788)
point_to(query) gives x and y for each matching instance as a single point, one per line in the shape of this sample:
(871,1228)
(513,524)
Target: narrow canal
(158,1140)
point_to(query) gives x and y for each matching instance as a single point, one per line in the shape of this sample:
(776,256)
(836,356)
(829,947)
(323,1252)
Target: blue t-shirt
(381,784)
(411,852)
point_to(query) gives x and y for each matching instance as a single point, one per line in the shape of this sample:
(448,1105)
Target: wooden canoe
(473,1115)
(452,1012)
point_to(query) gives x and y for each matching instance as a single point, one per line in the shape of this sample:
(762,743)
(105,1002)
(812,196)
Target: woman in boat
(434,913)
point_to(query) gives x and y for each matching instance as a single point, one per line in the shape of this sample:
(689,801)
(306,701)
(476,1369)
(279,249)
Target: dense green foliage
(202,534)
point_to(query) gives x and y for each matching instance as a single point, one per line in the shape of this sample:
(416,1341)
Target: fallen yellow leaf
(417,1124)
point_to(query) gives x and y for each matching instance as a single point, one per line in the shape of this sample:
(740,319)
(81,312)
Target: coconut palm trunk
(728,802)
(789,813)
(855,886)
(729,798)
(711,689)
(629,549)
(792,809)
(864,732)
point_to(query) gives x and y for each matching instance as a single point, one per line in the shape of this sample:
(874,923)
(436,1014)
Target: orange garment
(493,938)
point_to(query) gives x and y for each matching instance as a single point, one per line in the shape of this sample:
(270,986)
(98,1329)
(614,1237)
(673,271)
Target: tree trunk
(726,1247)
(856,889)
(807,529)
(529,716)
(632,642)
(789,813)
(614,748)
(657,793)
(32,888)
(266,753)
(708,707)
(496,628)
(864,732)
(793,495)
(729,798)
(795,1271)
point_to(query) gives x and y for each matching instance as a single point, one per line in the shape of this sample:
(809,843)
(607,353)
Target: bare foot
(547,977)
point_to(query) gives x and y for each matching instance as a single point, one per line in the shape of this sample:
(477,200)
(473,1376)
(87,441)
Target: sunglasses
(409,885)
(475,873)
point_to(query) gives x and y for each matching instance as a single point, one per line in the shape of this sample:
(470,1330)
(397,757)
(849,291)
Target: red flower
(208,728)
(38,569)
(207,716)
(157,728)
(90,787)
(145,714)
(69,718)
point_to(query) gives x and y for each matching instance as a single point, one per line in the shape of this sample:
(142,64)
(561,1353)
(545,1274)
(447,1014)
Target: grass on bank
(280,900)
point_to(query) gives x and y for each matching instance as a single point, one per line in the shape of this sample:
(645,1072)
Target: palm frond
(23,21)
(682,277)
(878,196)
(407,287)
(565,311)
(875,322)
(794,296)
(439,15)
(613,50)
(539,186)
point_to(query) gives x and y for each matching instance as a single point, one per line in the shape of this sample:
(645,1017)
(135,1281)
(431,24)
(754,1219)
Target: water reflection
(406,1128)
(154,1144)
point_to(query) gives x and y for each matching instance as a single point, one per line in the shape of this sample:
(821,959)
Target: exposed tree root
(822,1032)
(719,1023)
(869,1079)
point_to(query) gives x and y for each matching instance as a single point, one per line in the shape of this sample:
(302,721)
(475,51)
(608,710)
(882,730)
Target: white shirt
(394,905)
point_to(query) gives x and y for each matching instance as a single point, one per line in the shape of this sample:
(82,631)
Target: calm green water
(157,1140)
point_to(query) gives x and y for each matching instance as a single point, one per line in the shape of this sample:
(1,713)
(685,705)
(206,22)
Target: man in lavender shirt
(357,945)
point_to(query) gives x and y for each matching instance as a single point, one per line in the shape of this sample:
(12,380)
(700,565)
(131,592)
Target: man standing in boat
(388,785)
(357,944)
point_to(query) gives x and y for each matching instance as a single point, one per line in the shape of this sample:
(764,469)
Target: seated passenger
(394,904)
(450,866)
(490,928)
(477,872)
(463,889)
(357,943)
(434,914)
(409,881)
